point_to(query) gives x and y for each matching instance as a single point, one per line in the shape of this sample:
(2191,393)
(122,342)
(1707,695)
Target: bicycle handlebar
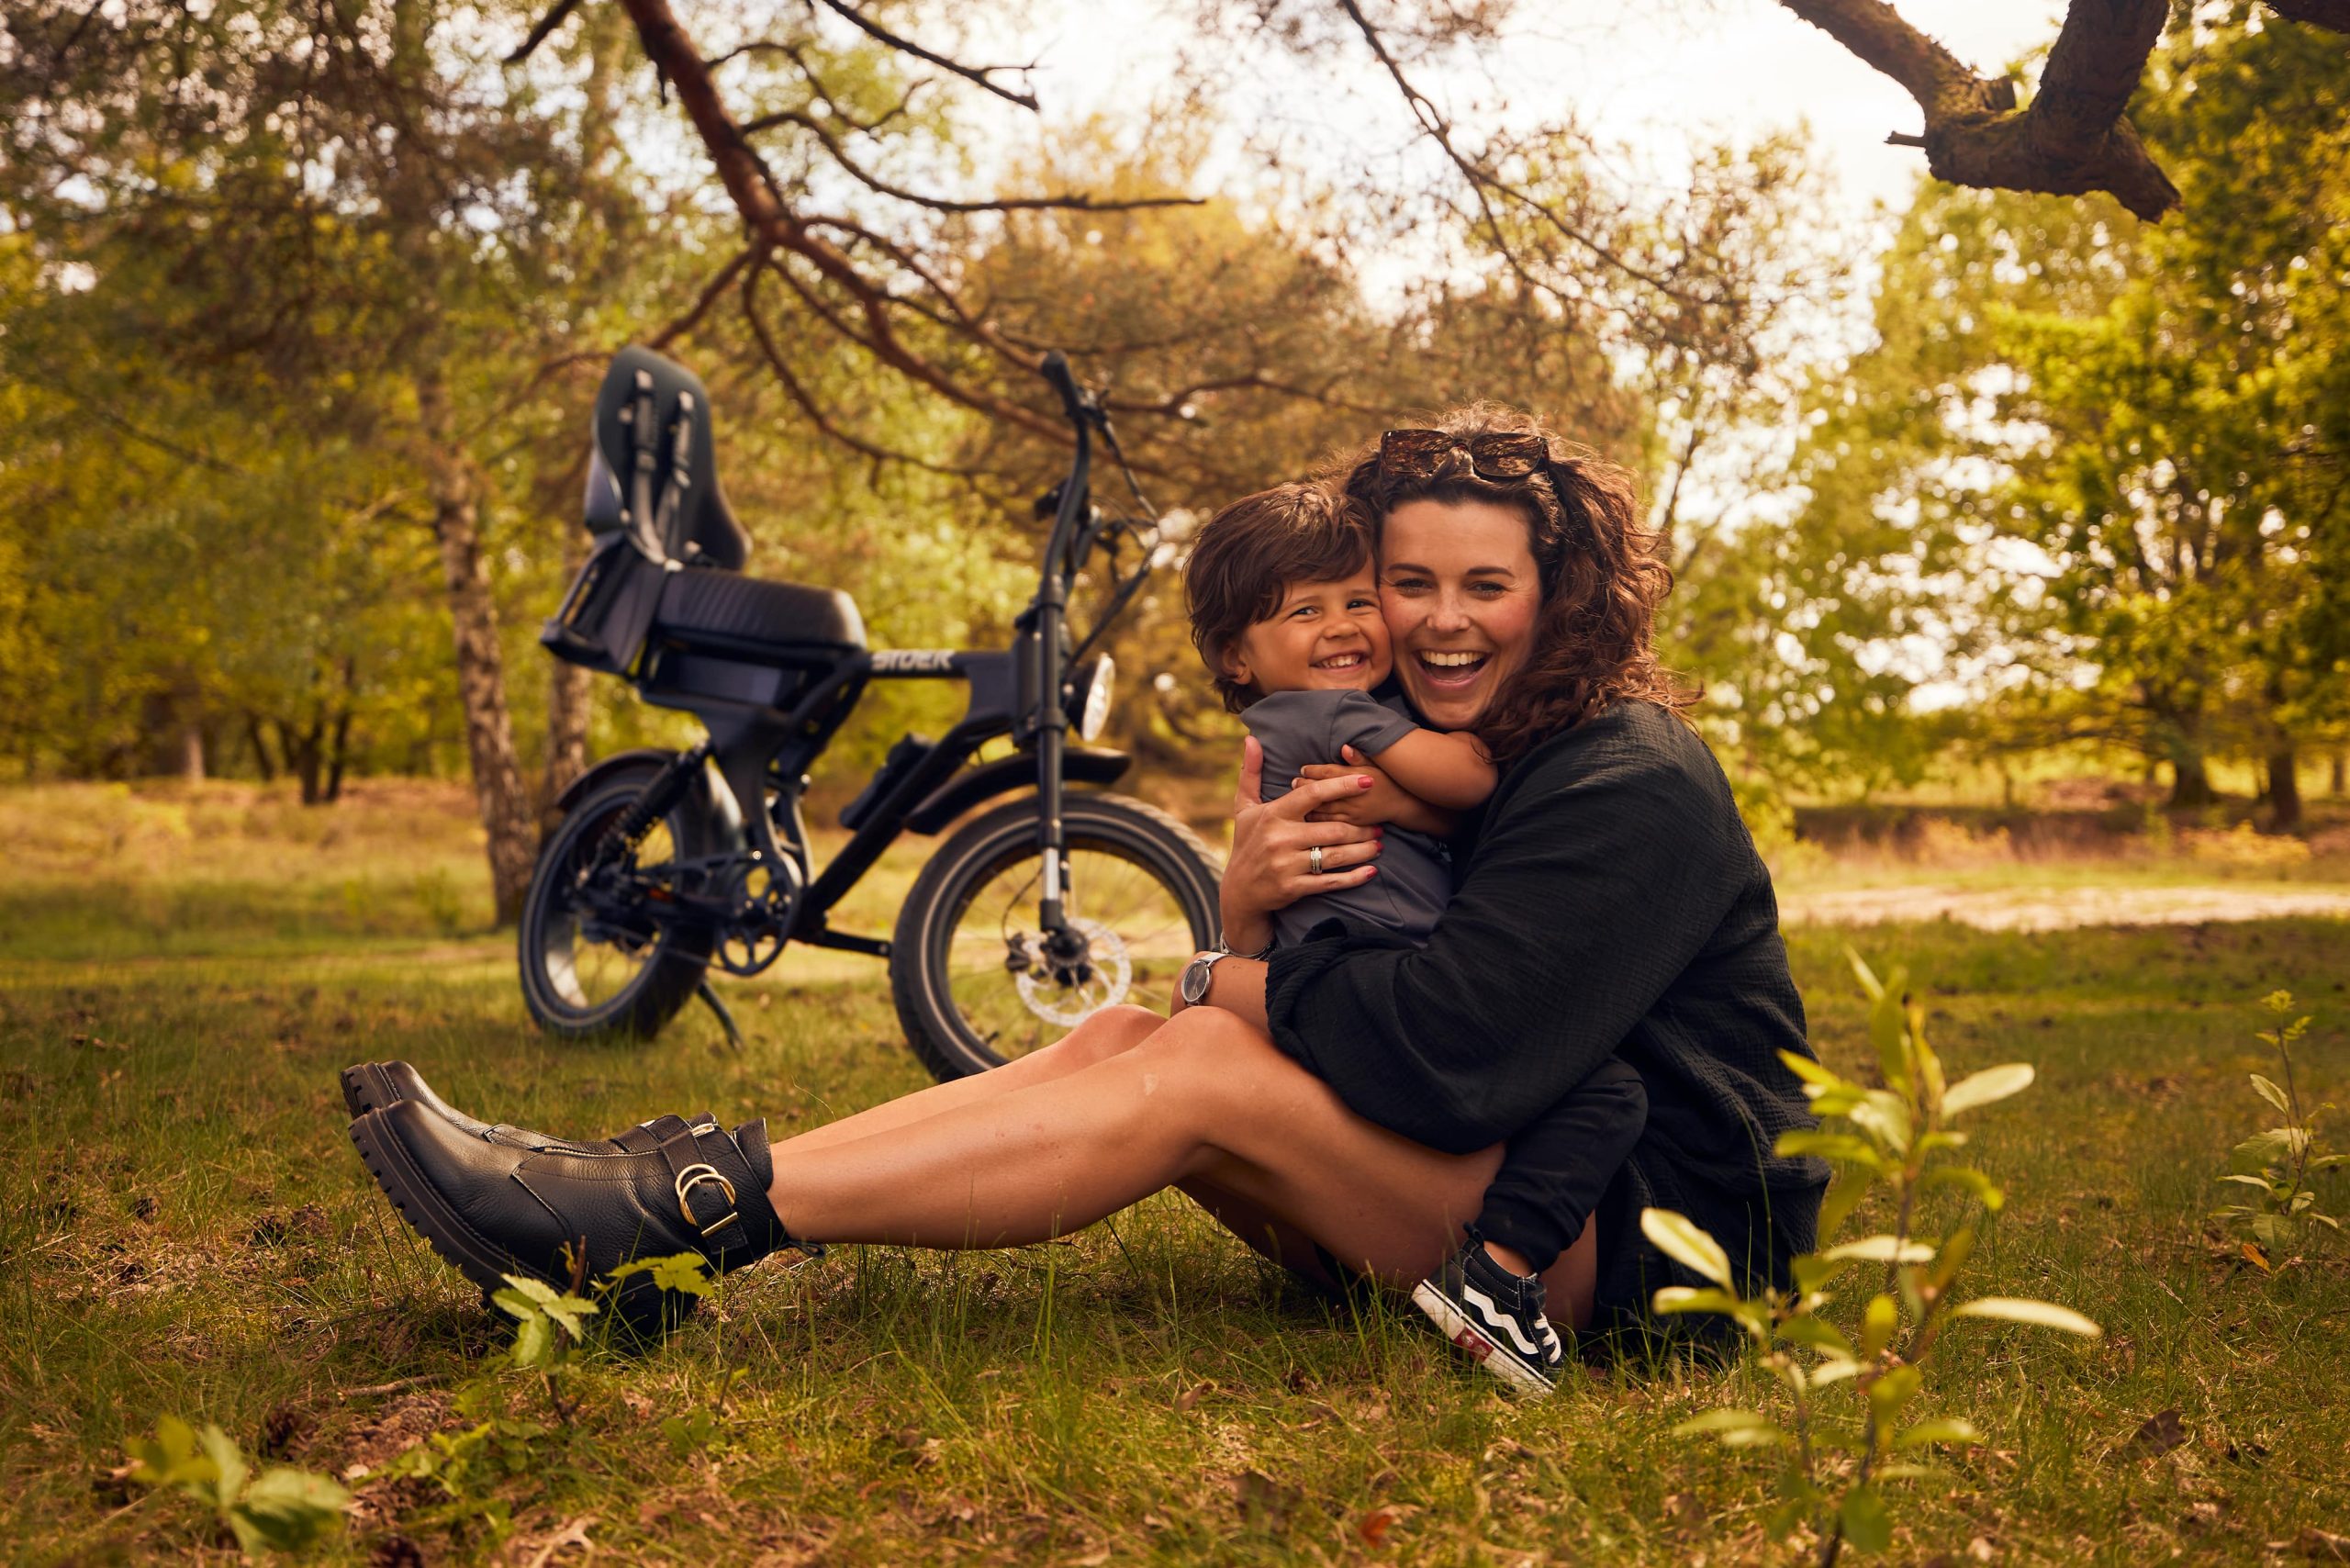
(1075,402)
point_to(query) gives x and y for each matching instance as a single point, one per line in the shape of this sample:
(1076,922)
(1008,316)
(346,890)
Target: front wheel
(975,981)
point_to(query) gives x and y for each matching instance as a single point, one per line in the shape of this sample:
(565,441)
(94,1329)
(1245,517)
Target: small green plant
(1852,1428)
(2279,1163)
(281,1509)
(551,1327)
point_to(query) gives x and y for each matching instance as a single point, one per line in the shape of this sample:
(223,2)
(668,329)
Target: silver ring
(1314,859)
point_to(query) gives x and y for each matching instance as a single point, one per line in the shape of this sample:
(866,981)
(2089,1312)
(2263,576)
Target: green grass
(184,1229)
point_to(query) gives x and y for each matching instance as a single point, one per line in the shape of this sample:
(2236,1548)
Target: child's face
(1326,636)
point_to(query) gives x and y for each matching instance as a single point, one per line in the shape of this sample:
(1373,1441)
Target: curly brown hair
(1250,553)
(1601,573)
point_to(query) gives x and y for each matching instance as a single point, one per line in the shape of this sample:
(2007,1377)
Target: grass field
(183,1228)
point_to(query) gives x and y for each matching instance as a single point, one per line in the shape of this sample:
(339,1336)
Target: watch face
(1195,981)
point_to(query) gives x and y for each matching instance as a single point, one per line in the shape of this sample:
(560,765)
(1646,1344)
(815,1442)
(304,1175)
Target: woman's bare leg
(1206,1097)
(1106,1034)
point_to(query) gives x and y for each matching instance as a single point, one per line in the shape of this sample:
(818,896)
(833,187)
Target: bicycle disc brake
(1069,994)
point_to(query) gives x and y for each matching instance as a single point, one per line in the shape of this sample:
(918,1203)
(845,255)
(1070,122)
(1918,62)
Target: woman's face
(1460,590)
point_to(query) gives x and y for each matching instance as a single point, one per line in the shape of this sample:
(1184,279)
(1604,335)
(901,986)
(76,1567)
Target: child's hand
(1380,803)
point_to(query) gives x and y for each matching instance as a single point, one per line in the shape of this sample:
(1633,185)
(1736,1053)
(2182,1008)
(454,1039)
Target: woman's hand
(1384,801)
(1271,865)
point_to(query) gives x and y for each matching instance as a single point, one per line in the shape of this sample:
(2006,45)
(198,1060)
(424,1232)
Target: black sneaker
(1496,1316)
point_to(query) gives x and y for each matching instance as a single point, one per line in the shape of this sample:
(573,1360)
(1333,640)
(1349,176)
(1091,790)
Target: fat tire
(668,981)
(1181,863)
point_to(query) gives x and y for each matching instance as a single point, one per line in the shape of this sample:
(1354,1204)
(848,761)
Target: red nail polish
(1362,782)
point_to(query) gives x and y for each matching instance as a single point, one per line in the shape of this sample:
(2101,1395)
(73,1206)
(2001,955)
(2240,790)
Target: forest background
(302,303)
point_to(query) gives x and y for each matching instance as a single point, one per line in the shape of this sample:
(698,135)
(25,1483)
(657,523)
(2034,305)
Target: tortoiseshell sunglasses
(1414,453)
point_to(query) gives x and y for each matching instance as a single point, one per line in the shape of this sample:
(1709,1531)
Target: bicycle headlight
(1089,699)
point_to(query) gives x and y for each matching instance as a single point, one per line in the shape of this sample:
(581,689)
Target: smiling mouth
(1343,661)
(1450,668)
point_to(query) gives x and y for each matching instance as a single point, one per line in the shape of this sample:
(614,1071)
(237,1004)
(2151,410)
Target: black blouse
(1612,903)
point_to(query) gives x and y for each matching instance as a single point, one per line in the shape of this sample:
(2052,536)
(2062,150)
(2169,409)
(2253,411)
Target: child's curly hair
(1251,550)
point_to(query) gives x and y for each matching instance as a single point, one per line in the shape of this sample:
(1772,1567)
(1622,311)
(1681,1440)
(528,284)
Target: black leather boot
(494,1211)
(371,1086)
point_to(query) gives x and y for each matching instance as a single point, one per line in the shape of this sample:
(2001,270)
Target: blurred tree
(2116,448)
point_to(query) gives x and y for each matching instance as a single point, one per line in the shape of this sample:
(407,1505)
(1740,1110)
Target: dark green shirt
(1612,903)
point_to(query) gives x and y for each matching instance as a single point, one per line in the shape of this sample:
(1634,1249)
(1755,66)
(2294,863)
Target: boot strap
(705,1194)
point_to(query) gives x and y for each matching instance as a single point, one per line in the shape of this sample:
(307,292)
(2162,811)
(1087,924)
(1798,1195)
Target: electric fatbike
(1030,916)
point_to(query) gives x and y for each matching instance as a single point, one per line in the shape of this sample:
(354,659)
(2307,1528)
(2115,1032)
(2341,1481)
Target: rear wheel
(594,961)
(975,982)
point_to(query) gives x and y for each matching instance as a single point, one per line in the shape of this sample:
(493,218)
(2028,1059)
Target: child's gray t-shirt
(1414,879)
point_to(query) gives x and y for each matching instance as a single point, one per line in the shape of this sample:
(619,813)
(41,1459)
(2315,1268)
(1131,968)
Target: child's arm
(1450,771)
(1384,801)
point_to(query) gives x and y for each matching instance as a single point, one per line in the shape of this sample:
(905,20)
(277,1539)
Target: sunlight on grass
(185,1231)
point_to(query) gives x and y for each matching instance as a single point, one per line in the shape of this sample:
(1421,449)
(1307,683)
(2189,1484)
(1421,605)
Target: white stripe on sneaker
(1498,1318)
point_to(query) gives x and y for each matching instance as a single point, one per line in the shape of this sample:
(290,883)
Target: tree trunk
(2338,769)
(190,751)
(301,749)
(568,696)
(2190,780)
(339,738)
(481,674)
(260,743)
(2284,787)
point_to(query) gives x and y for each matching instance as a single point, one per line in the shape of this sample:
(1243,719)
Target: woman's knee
(1110,1033)
(1226,1067)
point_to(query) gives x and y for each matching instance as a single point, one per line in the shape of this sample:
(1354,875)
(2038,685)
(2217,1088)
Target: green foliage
(2278,1163)
(1851,1387)
(281,1509)
(2099,459)
(551,1331)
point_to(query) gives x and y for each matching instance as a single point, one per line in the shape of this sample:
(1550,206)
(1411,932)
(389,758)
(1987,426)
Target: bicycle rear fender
(1080,765)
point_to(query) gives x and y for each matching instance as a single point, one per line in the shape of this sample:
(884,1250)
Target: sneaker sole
(1465,1333)
(429,1214)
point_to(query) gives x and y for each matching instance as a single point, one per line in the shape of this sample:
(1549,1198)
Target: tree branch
(978,75)
(771,222)
(709,296)
(2072,139)
(1482,179)
(2333,15)
(808,406)
(555,16)
(1075,201)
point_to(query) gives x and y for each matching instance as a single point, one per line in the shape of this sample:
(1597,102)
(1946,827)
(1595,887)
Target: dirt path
(2058,909)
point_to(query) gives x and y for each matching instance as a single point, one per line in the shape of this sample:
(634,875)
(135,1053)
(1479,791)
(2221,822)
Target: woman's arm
(1599,878)
(1271,864)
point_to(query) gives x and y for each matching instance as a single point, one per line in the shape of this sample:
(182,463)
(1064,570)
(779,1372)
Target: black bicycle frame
(757,747)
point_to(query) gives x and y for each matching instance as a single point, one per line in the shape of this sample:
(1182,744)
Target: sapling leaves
(1881,1249)
(1681,1239)
(1979,1089)
(2270,1093)
(2039,1314)
(1733,1429)
(2278,1163)
(1938,1430)
(1893,1141)
(282,1509)
(1866,1523)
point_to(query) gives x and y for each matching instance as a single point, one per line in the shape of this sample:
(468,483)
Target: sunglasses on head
(1422,453)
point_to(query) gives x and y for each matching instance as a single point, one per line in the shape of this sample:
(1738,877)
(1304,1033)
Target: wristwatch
(1196,976)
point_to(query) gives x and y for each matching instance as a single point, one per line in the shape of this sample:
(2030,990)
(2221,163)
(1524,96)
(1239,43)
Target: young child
(1284,607)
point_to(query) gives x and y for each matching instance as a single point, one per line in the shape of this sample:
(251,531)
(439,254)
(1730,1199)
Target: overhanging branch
(2071,139)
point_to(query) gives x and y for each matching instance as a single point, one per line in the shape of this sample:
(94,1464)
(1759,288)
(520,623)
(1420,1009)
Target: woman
(1339,1105)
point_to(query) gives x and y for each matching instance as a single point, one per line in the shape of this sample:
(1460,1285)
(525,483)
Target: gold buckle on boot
(694,1176)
